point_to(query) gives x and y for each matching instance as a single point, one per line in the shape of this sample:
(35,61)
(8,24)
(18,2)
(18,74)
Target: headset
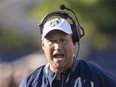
(76,34)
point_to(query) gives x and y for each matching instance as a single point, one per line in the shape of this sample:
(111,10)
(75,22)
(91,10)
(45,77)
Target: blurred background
(20,39)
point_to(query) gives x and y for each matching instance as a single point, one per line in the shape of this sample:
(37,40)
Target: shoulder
(99,71)
(33,77)
(97,74)
(36,72)
(101,76)
(94,69)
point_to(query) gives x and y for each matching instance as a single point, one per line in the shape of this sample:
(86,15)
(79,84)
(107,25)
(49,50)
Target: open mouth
(59,55)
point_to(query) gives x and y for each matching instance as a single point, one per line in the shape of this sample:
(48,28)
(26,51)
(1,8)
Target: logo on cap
(55,23)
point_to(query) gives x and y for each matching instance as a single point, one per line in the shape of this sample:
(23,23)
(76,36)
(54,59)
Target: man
(63,69)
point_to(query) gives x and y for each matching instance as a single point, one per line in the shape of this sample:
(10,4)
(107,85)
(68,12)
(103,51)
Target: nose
(57,46)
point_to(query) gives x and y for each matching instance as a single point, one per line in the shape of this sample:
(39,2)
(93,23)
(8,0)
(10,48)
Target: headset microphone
(62,7)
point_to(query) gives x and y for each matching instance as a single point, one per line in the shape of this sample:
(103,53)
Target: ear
(42,44)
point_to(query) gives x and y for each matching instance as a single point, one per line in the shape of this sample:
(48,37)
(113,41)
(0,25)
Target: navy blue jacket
(81,74)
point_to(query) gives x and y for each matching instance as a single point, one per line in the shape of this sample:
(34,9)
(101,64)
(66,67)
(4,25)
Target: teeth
(58,55)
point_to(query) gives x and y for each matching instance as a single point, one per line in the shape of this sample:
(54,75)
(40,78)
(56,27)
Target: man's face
(58,48)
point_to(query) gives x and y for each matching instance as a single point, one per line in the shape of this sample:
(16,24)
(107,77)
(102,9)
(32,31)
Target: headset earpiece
(75,35)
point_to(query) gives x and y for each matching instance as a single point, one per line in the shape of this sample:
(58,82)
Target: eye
(53,41)
(63,41)
(50,41)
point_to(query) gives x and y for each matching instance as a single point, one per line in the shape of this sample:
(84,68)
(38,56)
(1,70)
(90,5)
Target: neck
(58,76)
(57,72)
